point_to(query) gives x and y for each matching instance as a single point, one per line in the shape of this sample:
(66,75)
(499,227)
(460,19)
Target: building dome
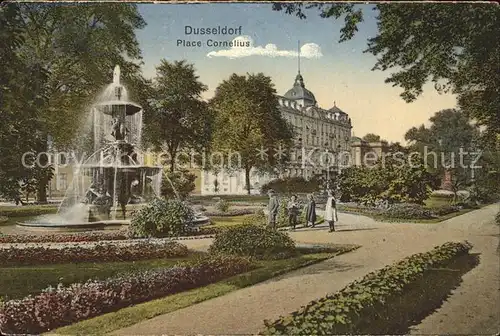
(299,92)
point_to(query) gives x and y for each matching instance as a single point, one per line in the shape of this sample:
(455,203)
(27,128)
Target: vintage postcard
(239,168)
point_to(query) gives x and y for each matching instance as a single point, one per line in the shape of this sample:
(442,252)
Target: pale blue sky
(343,74)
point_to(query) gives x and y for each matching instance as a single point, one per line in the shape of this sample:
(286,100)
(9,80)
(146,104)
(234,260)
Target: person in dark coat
(293,212)
(311,211)
(273,208)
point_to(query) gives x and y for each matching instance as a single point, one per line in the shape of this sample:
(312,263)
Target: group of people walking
(293,208)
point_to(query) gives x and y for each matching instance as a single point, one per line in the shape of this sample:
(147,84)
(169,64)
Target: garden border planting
(40,255)
(91,236)
(339,313)
(266,269)
(57,307)
(230,212)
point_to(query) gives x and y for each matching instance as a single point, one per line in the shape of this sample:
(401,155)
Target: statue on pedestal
(119,130)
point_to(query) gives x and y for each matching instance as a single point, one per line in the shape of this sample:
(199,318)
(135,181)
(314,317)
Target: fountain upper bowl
(130,108)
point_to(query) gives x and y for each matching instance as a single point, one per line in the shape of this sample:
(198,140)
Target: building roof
(299,91)
(335,109)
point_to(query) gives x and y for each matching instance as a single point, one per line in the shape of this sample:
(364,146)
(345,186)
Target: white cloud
(240,49)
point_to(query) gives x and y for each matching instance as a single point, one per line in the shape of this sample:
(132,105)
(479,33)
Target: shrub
(253,241)
(282,218)
(57,307)
(222,205)
(183,182)
(497,218)
(258,218)
(340,313)
(407,211)
(162,218)
(230,213)
(103,252)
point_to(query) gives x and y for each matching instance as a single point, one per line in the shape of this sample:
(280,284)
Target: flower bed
(359,209)
(57,307)
(65,237)
(39,255)
(340,313)
(230,213)
(407,211)
(444,210)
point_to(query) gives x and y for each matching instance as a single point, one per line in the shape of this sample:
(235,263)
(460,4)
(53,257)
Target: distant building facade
(316,130)
(365,153)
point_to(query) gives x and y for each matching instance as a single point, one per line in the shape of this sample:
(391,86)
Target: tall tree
(179,119)
(20,96)
(453,45)
(248,122)
(69,52)
(449,133)
(370,137)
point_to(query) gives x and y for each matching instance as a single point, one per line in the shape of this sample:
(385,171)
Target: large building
(321,136)
(364,153)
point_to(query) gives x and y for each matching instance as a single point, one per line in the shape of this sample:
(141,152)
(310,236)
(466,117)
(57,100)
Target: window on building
(62,159)
(62,181)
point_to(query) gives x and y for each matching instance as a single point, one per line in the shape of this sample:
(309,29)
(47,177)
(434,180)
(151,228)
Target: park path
(471,309)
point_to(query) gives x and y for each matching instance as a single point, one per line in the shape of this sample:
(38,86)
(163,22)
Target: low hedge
(57,307)
(342,312)
(28,210)
(101,252)
(254,241)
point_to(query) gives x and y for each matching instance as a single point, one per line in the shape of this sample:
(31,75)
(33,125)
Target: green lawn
(128,316)
(18,282)
(226,221)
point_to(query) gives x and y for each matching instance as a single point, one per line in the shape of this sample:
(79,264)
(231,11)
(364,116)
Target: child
(293,212)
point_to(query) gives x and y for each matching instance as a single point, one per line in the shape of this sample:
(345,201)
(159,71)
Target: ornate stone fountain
(116,178)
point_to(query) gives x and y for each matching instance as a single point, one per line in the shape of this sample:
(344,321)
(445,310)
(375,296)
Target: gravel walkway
(472,309)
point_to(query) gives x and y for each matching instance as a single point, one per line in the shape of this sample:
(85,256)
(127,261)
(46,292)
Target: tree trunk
(247,179)
(173,153)
(41,192)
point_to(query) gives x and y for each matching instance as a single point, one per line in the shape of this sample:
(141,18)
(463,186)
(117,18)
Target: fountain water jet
(115,177)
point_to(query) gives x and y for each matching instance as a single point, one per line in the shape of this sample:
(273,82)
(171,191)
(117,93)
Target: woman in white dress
(331,211)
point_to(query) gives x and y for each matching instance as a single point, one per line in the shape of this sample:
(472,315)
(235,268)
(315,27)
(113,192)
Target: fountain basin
(111,224)
(98,225)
